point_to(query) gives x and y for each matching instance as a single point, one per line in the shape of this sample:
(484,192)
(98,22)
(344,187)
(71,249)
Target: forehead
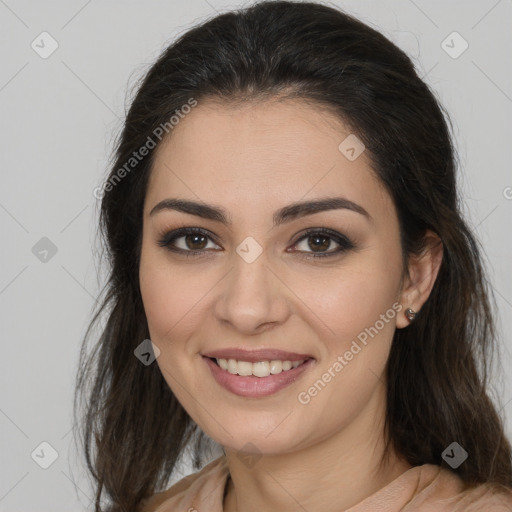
(262,153)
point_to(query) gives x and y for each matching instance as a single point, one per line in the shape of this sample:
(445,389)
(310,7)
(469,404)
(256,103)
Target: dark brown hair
(134,429)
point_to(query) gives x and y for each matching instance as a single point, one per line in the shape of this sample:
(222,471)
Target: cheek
(351,371)
(351,299)
(171,299)
(172,306)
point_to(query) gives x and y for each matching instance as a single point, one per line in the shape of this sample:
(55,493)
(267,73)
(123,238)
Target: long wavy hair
(132,428)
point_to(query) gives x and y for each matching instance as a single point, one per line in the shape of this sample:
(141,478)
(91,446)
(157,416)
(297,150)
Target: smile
(258,369)
(256,379)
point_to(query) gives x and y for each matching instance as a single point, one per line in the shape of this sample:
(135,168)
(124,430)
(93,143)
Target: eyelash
(344,242)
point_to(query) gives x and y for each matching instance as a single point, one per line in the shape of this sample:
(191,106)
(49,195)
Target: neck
(334,474)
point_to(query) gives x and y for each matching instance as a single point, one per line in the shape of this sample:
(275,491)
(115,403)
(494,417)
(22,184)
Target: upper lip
(253,356)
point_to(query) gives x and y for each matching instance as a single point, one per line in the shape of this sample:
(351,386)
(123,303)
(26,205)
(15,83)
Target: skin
(251,161)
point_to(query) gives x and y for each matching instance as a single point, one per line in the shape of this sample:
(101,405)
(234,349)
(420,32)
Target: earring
(410,314)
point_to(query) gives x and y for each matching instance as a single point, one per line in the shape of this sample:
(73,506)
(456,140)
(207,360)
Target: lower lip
(256,387)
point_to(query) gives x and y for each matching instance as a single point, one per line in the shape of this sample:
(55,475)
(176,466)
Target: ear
(422,273)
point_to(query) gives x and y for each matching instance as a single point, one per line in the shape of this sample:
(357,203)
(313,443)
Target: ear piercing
(410,314)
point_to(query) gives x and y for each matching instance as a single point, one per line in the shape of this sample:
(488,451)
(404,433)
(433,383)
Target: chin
(260,438)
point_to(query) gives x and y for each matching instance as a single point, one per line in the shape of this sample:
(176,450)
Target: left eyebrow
(281,216)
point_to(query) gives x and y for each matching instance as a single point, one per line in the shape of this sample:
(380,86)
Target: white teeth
(259,369)
(244,368)
(232,366)
(276,367)
(287,365)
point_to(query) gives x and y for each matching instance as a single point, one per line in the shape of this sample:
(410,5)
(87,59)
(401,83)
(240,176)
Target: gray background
(60,115)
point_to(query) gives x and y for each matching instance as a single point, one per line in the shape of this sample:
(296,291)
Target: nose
(252,298)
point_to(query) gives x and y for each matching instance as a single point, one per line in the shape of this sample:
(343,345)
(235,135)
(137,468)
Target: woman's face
(264,277)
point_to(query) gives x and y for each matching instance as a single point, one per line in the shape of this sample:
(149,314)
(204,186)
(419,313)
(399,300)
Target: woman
(282,223)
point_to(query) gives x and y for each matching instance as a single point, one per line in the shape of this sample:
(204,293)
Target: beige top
(426,488)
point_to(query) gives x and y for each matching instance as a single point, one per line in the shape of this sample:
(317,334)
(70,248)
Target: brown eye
(188,240)
(317,242)
(195,242)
